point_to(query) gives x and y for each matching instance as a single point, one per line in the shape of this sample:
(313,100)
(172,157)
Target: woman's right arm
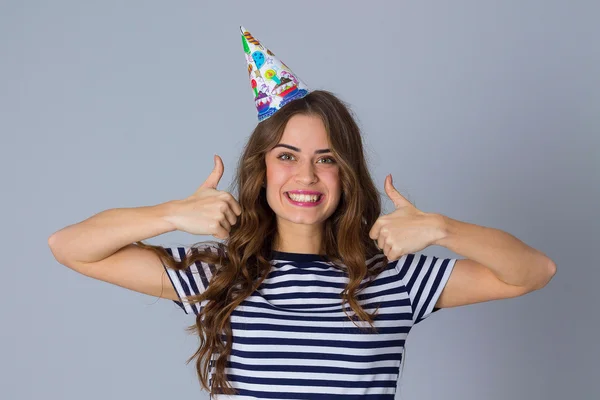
(101,247)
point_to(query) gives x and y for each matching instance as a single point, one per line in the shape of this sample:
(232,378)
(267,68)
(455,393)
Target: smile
(304,200)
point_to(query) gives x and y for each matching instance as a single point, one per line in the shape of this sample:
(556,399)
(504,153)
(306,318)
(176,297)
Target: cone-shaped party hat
(273,83)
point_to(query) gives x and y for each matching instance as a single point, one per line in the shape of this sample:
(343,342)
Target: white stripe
(285,349)
(314,362)
(248,322)
(337,312)
(337,336)
(312,375)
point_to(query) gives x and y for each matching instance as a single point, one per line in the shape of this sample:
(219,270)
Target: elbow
(547,275)
(55,248)
(551,270)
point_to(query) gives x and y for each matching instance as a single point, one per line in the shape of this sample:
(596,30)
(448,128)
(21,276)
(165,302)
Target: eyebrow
(299,151)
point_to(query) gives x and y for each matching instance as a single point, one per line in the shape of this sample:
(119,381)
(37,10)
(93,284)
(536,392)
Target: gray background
(483,111)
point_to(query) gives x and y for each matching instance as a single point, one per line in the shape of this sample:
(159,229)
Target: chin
(303,220)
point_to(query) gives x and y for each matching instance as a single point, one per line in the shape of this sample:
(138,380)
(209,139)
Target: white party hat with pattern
(273,83)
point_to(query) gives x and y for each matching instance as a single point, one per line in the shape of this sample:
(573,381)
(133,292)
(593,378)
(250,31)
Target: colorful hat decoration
(273,83)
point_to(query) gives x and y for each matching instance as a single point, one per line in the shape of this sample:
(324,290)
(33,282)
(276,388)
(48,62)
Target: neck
(298,238)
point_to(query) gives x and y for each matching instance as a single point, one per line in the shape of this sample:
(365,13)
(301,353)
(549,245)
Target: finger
(237,208)
(381,242)
(233,204)
(374,232)
(215,176)
(231,218)
(220,232)
(224,222)
(393,194)
(387,250)
(376,244)
(393,255)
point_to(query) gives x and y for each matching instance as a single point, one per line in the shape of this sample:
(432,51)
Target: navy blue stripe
(288,355)
(297,257)
(278,382)
(369,344)
(394,316)
(249,326)
(312,396)
(314,369)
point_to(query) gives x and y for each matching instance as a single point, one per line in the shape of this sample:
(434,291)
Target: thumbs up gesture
(407,229)
(207,211)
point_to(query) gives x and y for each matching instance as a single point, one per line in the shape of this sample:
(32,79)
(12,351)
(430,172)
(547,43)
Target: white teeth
(304,198)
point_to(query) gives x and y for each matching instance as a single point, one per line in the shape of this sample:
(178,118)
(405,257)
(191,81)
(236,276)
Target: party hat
(273,83)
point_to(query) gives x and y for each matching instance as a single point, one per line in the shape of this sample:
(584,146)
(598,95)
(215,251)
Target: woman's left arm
(497,264)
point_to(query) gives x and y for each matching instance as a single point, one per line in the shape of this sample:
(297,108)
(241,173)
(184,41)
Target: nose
(306,174)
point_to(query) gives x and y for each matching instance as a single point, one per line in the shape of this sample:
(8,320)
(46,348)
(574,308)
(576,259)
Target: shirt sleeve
(192,281)
(424,278)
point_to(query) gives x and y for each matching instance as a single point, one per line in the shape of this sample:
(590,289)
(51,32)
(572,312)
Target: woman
(311,293)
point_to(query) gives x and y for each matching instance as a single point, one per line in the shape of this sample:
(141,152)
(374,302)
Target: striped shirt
(291,339)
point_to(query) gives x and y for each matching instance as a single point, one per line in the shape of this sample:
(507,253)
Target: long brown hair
(243,259)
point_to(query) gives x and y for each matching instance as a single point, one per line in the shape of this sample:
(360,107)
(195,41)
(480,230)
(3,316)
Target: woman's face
(303,184)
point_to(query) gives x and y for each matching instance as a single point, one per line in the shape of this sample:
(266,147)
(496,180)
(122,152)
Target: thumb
(393,194)
(215,176)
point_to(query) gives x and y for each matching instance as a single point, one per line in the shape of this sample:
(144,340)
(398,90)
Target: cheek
(333,180)
(278,174)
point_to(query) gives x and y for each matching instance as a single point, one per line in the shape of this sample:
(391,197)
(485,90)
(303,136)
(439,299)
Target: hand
(407,229)
(208,211)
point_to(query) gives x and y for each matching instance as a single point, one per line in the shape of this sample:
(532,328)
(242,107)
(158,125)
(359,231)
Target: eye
(329,160)
(282,155)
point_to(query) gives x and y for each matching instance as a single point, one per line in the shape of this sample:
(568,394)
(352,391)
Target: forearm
(511,260)
(105,233)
